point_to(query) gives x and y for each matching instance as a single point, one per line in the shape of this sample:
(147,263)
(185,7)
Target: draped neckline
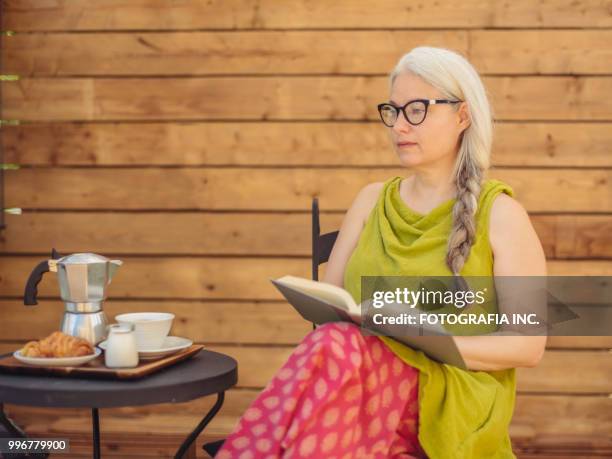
(408,212)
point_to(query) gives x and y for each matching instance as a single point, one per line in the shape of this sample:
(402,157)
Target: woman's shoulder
(495,193)
(371,192)
(498,209)
(514,241)
(368,197)
(499,198)
(492,188)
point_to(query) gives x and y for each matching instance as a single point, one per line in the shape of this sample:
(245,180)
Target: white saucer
(171,345)
(56,361)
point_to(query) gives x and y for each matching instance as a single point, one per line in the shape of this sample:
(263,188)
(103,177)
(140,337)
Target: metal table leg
(95,418)
(9,425)
(16,431)
(200,427)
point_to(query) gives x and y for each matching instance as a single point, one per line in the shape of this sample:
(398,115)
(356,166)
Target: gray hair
(456,78)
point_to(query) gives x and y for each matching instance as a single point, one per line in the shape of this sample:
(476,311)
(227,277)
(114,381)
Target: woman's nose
(401,125)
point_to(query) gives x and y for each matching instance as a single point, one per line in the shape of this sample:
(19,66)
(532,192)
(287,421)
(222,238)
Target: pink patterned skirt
(339,395)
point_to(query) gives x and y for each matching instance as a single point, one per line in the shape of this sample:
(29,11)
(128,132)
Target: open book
(321,302)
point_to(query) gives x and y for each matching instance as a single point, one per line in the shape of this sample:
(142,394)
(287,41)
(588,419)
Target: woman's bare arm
(517,251)
(349,233)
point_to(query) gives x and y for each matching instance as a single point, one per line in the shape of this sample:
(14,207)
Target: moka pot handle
(31,289)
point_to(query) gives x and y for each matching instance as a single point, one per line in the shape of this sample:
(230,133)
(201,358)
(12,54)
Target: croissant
(58,344)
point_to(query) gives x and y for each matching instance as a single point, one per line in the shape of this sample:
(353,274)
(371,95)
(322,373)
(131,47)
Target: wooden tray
(96,368)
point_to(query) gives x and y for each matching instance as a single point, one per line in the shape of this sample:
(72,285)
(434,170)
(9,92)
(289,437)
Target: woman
(342,394)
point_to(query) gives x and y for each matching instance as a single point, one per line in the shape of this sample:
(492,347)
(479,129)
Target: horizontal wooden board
(162,445)
(278,234)
(557,421)
(587,372)
(172,277)
(589,412)
(342,52)
(525,451)
(560,371)
(279,144)
(538,52)
(278,189)
(557,412)
(240,278)
(208,322)
(351,98)
(590,372)
(561,422)
(264,14)
(577,342)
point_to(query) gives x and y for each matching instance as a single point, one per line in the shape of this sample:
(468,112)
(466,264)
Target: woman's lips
(406,144)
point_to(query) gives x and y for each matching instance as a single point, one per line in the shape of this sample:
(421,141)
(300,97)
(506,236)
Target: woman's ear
(463,115)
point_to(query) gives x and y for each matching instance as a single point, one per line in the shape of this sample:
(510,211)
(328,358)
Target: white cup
(151,328)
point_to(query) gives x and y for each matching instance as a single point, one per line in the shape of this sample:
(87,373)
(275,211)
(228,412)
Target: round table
(206,373)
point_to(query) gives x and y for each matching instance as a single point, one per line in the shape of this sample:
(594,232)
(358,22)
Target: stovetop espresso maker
(83,279)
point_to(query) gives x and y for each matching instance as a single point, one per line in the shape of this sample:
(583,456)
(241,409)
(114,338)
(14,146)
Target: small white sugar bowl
(121,351)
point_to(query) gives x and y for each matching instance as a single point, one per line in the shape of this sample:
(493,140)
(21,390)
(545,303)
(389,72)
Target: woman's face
(437,137)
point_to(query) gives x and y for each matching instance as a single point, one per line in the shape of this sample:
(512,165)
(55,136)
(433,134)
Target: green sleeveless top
(462,413)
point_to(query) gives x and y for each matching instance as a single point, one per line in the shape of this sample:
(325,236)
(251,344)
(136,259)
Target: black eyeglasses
(414,111)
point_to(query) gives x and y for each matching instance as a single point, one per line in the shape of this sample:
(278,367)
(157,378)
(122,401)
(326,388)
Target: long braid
(463,232)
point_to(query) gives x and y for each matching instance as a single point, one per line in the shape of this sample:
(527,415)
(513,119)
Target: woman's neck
(430,188)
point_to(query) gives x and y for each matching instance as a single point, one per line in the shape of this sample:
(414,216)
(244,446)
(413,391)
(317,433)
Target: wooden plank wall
(188,138)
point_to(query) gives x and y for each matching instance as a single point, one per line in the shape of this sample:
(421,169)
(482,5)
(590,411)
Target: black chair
(322,245)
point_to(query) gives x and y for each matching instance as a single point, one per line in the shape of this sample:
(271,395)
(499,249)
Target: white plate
(171,345)
(56,361)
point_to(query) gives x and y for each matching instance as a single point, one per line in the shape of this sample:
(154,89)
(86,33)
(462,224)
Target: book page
(324,291)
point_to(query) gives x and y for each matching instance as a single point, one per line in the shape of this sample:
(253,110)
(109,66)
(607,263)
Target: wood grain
(351,98)
(277,189)
(229,233)
(328,143)
(262,14)
(259,52)
(211,278)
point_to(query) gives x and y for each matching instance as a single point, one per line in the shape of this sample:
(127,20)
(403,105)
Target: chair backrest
(322,244)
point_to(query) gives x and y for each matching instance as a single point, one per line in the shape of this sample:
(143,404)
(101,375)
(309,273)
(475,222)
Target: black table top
(206,373)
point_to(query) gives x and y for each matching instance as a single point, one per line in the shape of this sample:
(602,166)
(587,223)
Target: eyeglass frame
(427,103)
